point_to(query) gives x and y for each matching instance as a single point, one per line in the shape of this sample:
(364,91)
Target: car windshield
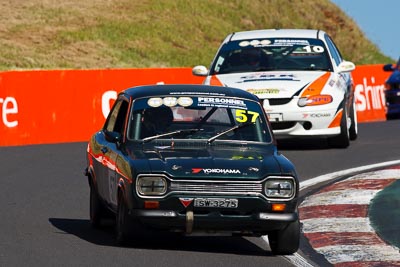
(196,117)
(271,54)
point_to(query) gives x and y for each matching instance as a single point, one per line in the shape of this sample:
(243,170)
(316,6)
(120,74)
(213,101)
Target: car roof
(187,89)
(277,33)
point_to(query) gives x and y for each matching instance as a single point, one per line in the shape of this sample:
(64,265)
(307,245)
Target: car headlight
(151,185)
(279,188)
(314,100)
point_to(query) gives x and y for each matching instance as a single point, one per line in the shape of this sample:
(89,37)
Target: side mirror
(388,67)
(200,71)
(346,66)
(113,137)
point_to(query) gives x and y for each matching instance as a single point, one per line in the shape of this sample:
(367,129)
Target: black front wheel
(122,222)
(97,209)
(285,241)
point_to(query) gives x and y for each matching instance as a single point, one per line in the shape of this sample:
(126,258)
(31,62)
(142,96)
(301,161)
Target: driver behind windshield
(156,121)
(251,57)
(247,59)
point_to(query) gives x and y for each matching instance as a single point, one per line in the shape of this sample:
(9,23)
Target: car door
(110,149)
(337,59)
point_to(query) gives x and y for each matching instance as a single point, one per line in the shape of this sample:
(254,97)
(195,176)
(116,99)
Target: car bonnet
(215,162)
(276,84)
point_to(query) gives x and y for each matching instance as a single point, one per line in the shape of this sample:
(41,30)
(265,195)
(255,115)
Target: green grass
(384,213)
(167,33)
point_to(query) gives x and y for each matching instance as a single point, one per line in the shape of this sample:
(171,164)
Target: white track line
(357,197)
(296,259)
(338,225)
(333,175)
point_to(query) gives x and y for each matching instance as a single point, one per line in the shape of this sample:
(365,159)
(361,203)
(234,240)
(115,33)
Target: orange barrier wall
(39,107)
(43,107)
(369,81)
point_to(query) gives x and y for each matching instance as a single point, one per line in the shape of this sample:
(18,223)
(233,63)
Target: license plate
(216,202)
(275,117)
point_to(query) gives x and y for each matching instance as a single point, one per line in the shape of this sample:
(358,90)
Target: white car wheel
(343,139)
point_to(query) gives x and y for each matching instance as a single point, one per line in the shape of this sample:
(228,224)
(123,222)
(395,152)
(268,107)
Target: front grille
(244,188)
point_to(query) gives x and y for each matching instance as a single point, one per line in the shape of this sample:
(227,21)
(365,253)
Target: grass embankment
(78,34)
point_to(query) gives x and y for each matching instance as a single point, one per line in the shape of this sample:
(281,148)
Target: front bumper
(189,222)
(308,122)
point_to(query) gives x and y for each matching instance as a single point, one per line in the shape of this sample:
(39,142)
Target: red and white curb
(335,221)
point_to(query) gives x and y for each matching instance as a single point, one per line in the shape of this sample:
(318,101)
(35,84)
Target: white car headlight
(279,188)
(314,100)
(151,185)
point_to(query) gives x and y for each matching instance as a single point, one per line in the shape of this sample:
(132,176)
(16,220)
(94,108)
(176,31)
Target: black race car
(392,92)
(192,159)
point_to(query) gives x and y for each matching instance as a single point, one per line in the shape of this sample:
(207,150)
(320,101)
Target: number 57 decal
(244,115)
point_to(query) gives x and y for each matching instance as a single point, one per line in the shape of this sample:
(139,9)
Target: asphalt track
(44,207)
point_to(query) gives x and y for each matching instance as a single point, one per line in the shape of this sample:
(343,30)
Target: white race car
(300,76)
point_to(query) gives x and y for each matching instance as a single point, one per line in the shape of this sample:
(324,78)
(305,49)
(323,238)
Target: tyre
(353,131)
(97,209)
(122,222)
(343,139)
(128,229)
(285,241)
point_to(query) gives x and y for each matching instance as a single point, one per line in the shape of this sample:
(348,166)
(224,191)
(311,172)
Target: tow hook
(189,221)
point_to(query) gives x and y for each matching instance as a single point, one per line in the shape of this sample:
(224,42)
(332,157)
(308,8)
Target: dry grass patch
(52,34)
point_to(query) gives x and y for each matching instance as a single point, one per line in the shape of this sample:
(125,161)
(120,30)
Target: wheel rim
(355,120)
(347,122)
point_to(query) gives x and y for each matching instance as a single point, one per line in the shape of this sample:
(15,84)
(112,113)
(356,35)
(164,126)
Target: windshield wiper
(181,131)
(239,126)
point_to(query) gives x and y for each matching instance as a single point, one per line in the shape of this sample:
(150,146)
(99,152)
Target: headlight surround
(151,185)
(314,100)
(283,188)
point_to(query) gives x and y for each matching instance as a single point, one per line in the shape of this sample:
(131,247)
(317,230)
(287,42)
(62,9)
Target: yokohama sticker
(214,171)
